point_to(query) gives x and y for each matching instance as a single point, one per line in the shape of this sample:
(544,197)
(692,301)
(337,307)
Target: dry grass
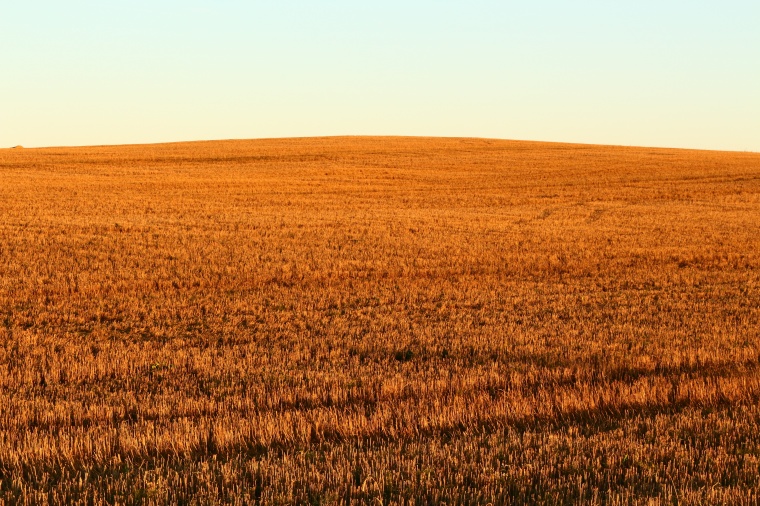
(379,320)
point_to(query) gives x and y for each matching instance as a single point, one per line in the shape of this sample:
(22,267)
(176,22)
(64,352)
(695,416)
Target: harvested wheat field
(379,321)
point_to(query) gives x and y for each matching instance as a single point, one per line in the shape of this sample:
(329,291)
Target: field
(379,321)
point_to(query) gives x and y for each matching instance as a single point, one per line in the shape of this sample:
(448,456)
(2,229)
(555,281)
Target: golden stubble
(359,320)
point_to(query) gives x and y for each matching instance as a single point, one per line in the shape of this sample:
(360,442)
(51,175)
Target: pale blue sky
(655,73)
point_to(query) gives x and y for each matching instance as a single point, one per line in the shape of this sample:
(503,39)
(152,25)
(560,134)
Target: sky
(648,73)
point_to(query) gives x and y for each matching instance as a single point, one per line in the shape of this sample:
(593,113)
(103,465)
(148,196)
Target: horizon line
(370,136)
